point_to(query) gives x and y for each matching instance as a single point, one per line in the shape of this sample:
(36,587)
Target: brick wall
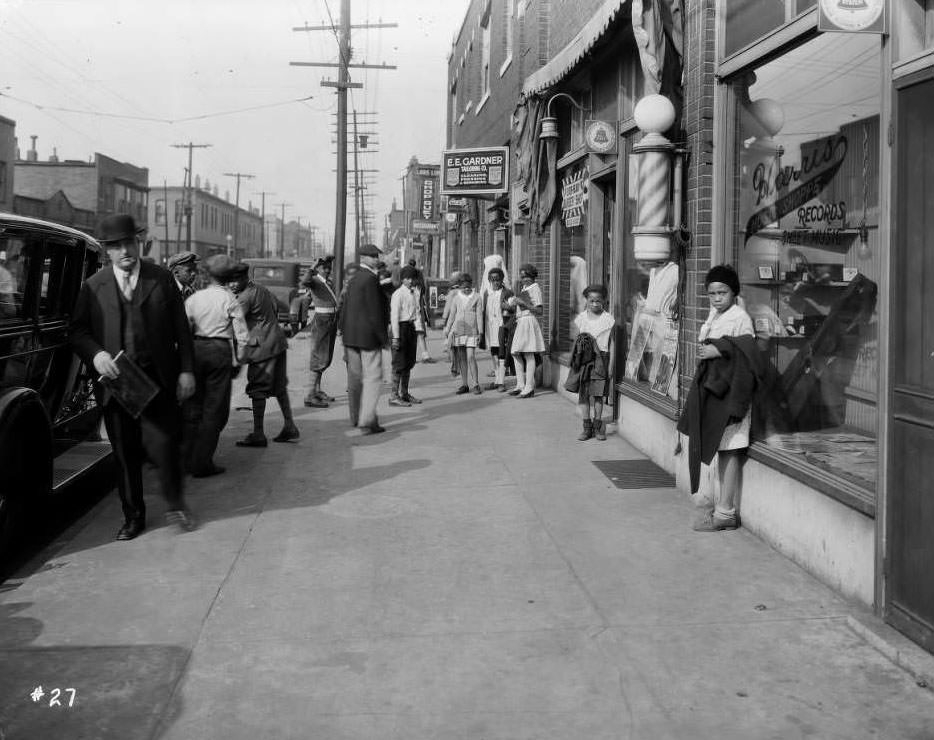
(700,29)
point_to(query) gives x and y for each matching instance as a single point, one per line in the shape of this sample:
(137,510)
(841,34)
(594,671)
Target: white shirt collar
(134,274)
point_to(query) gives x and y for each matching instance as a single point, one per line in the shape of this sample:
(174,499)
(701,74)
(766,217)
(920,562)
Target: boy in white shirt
(405,320)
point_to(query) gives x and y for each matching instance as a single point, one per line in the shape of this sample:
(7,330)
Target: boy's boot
(406,396)
(395,397)
(312,399)
(599,429)
(587,433)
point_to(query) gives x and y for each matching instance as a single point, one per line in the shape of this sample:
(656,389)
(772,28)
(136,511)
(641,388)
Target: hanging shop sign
(457,204)
(852,16)
(428,190)
(475,171)
(600,136)
(574,196)
(421,226)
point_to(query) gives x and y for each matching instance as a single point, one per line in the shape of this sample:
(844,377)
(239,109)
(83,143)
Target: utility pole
(342,85)
(189,146)
(238,175)
(356,192)
(262,231)
(282,231)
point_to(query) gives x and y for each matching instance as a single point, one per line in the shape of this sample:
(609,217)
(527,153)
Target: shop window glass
(648,308)
(806,240)
(748,20)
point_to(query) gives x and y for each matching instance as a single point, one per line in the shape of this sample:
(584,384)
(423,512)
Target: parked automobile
(282,278)
(49,420)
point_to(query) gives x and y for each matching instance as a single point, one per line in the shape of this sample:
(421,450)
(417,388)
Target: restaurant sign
(475,171)
(420,226)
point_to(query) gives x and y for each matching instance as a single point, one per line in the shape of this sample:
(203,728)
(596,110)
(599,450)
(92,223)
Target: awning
(569,57)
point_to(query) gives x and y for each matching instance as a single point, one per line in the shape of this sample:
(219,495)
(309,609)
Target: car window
(14,257)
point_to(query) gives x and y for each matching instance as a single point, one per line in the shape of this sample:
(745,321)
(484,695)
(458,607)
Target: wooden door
(910,506)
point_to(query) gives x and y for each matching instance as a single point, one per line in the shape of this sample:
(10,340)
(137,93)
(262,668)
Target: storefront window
(650,311)
(748,20)
(806,241)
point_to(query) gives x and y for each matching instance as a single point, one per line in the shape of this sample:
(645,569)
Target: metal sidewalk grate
(635,474)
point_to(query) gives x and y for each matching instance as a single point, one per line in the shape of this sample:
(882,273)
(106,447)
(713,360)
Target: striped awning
(565,60)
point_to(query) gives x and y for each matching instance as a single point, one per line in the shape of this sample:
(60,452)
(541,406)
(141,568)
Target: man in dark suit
(363,323)
(135,306)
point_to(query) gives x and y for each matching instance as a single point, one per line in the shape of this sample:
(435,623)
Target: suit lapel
(144,286)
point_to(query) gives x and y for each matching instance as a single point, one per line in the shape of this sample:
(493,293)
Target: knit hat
(723,274)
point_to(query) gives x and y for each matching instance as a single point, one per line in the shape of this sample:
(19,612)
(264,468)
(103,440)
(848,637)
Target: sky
(131,78)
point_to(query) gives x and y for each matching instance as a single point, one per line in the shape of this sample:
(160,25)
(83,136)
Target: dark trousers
(207,411)
(155,432)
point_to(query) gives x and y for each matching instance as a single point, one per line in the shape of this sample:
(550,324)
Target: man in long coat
(135,307)
(363,323)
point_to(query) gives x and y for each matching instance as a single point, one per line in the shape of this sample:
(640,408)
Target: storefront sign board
(600,136)
(574,196)
(420,226)
(475,171)
(853,16)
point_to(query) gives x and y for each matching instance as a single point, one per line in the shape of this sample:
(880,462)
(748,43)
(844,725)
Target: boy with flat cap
(265,352)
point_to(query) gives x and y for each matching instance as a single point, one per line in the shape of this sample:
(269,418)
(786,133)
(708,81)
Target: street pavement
(469,574)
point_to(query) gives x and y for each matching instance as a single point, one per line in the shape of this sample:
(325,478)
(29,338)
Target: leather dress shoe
(462,390)
(208,472)
(252,441)
(316,402)
(131,529)
(287,435)
(182,518)
(325,397)
(411,399)
(374,429)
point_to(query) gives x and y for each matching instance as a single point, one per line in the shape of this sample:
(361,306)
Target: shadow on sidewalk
(100,691)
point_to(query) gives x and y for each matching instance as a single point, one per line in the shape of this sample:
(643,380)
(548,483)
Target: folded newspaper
(132,388)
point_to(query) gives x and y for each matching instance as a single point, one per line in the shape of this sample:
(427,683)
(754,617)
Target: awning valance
(568,58)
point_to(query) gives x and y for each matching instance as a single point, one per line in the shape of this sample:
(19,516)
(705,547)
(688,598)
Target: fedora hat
(117,228)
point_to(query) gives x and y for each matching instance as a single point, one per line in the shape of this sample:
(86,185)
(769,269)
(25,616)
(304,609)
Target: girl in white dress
(726,319)
(528,339)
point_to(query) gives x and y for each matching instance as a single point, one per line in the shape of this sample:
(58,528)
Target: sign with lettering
(475,171)
(421,226)
(428,189)
(574,196)
(780,190)
(600,136)
(852,16)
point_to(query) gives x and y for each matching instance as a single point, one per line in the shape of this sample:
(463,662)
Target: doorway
(909,602)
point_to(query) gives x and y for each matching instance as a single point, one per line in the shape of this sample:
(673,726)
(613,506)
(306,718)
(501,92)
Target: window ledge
(486,96)
(790,464)
(505,65)
(460,120)
(662,404)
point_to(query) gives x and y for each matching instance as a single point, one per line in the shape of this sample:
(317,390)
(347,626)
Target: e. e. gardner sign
(475,171)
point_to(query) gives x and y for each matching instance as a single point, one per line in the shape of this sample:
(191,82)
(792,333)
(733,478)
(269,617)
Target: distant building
(7,158)
(213,220)
(415,231)
(78,193)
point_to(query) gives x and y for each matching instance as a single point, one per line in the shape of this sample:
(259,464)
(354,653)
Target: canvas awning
(569,57)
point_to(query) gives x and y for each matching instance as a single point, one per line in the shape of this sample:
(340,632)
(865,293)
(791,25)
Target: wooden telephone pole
(189,146)
(342,84)
(236,234)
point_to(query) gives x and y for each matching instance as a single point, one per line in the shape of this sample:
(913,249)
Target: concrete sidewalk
(468,574)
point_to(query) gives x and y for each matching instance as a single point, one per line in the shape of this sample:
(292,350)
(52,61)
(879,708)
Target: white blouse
(599,326)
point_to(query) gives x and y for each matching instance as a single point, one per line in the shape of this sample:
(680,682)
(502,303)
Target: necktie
(127,288)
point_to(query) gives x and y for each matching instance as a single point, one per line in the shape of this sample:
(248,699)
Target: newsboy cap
(117,228)
(368,250)
(220,266)
(182,258)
